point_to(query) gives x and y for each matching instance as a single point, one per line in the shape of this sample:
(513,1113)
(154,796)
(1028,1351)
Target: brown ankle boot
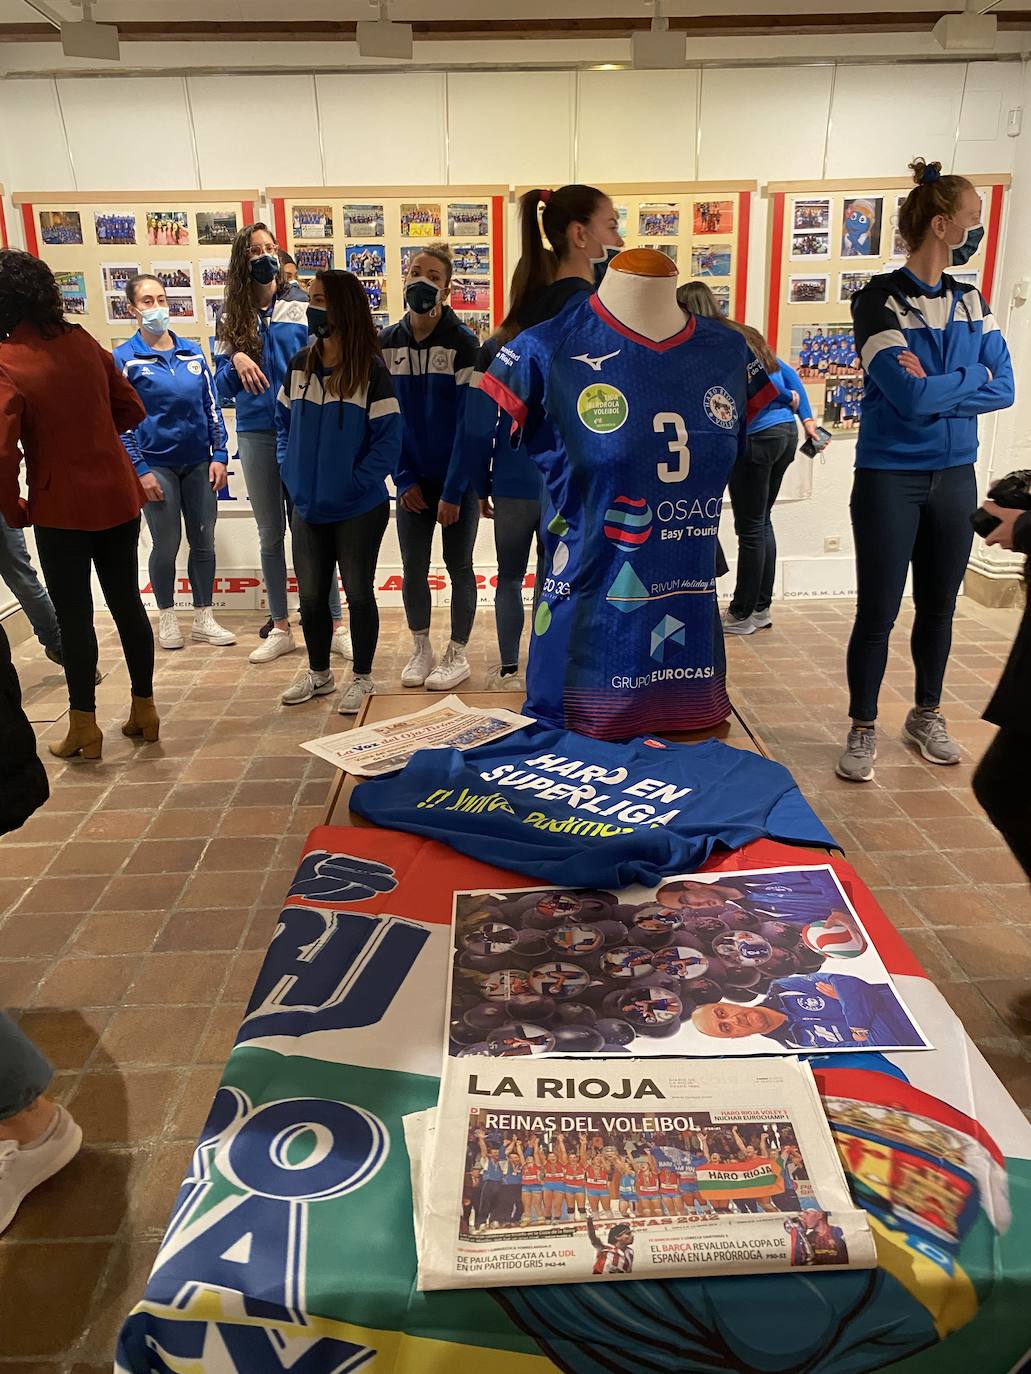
(143,720)
(83,740)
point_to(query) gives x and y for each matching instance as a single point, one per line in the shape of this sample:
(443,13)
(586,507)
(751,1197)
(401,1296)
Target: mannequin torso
(640,290)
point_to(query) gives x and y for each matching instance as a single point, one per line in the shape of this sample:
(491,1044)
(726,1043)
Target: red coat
(65,401)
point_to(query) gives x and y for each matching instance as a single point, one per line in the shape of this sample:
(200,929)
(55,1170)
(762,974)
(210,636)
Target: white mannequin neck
(647,305)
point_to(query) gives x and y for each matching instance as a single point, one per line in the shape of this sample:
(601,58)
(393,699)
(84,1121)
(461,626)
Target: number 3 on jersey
(670,472)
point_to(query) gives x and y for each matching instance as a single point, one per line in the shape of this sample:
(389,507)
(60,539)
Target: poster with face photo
(363,221)
(851,282)
(72,286)
(843,401)
(467,221)
(168,228)
(181,308)
(312,221)
(471,258)
(711,260)
(175,277)
(821,351)
(807,290)
(213,272)
(658,221)
(365,259)
(420,220)
(861,227)
(811,215)
(311,260)
(713,217)
(60,228)
(216,227)
(115,275)
(114,227)
(807,243)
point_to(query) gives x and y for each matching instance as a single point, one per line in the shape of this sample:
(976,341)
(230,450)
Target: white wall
(546,127)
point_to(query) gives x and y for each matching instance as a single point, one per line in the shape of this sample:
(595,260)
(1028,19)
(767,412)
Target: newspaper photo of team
(529,1178)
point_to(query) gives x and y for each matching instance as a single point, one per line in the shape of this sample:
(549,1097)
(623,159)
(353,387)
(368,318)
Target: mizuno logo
(595,363)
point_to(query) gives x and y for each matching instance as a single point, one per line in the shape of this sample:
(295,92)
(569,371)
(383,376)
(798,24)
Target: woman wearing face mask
(431,357)
(181,448)
(263,324)
(339,435)
(581,227)
(933,359)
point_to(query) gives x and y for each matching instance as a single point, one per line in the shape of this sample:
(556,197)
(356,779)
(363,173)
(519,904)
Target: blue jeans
(899,518)
(24,1073)
(17,571)
(516,522)
(188,496)
(755,481)
(268,502)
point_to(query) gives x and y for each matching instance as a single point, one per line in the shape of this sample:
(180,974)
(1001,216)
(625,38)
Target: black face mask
(318,322)
(264,269)
(421,296)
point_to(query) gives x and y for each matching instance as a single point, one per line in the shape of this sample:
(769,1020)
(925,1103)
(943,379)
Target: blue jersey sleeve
(516,383)
(794,383)
(998,393)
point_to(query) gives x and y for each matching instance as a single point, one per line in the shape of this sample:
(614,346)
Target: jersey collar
(661,347)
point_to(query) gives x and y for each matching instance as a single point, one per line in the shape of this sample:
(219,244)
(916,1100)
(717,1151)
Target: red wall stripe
(776,271)
(247,208)
(744,216)
(3,225)
(992,247)
(28,219)
(498,256)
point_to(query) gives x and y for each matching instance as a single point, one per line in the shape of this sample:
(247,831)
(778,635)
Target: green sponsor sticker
(602,408)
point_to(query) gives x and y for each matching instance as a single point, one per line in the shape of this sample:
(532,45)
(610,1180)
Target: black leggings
(1001,786)
(353,545)
(65,557)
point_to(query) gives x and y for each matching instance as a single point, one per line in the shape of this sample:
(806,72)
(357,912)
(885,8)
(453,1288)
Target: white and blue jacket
(334,453)
(184,423)
(284,330)
(926,423)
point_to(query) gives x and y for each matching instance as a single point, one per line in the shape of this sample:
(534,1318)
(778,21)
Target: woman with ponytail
(566,240)
(934,360)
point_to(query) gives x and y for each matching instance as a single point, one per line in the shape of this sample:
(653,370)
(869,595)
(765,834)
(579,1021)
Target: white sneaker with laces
(420,665)
(207,629)
(169,634)
(341,643)
(452,669)
(354,694)
(24,1167)
(279,642)
(504,682)
(307,685)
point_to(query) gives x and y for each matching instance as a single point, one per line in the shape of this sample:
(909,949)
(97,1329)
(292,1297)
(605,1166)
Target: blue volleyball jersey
(585,813)
(635,441)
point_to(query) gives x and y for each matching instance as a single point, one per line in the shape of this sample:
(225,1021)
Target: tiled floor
(135,907)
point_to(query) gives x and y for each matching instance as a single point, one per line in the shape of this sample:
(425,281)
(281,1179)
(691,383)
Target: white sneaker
(452,669)
(507,682)
(207,629)
(738,625)
(24,1167)
(307,685)
(354,694)
(169,634)
(420,665)
(279,642)
(341,643)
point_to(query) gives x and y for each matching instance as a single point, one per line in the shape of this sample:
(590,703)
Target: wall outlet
(832,543)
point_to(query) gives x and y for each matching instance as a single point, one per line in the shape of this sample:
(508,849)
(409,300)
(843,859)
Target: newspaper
(372,750)
(567,1172)
(762,961)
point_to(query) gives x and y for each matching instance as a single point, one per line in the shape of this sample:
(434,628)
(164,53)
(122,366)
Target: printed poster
(772,961)
(365,259)
(861,227)
(467,220)
(363,221)
(467,294)
(72,286)
(713,217)
(168,228)
(60,228)
(711,260)
(808,290)
(658,221)
(175,277)
(213,273)
(216,227)
(313,221)
(114,227)
(421,220)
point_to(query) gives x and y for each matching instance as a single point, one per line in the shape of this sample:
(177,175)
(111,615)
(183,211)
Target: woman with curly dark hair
(263,324)
(64,401)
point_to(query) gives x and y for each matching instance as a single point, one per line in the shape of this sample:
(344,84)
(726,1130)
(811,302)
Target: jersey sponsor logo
(508,355)
(595,364)
(667,632)
(720,408)
(628,521)
(194,367)
(812,1003)
(602,408)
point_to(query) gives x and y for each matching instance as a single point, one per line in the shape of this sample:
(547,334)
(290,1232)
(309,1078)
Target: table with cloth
(291,1246)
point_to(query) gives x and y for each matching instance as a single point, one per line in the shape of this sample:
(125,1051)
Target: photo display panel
(375,232)
(94,242)
(702,226)
(826,241)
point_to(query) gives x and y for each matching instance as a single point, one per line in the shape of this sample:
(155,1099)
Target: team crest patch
(602,408)
(720,407)
(194,367)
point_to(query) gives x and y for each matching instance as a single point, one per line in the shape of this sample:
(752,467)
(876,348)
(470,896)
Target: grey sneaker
(354,695)
(928,731)
(762,620)
(307,685)
(738,625)
(856,763)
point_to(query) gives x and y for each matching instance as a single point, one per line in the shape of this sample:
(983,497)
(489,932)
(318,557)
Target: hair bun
(925,172)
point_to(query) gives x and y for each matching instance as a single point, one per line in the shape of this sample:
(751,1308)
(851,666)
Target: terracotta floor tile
(875,836)
(23,860)
(989,866)
(67,1038)
(166,856)
(213,770)
(920,870)
(267,792)
(934,957)
(1015,1072)
(145,892)
(92,856)
(220,1033)
(62,894)
(115,1107)
(976,1009)
(955,906)
(173,824)
(36,934)
(152,1035)
(928,805)
(306,818)
(19,979)
(202,930)
(195,1101)
(239,854)
(85,1201)
(151,1201)
(278,766)
(990,951)
(113,825)
(948,833)
(1000,993)
(48,827)
(87,981)
(255,820)
(141,797)
(243,975)
(123,1286)
(177,979)
(118,932)
(30,1275)
(898,908)
(212,889)
(259,933)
